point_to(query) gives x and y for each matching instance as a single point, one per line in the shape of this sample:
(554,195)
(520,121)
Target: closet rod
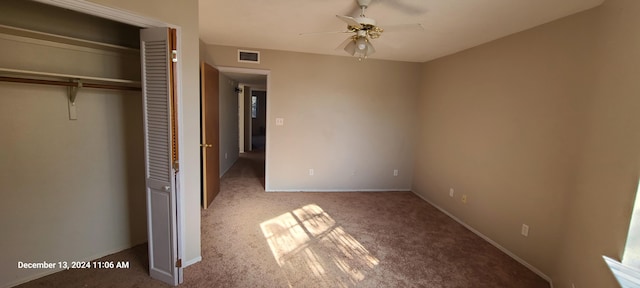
(68,84)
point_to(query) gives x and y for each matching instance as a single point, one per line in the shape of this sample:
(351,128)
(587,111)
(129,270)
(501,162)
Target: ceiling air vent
(248,56)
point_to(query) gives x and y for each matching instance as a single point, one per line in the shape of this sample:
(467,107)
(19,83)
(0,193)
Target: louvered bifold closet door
(161,188)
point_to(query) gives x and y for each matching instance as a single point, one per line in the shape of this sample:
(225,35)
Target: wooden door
(210,134)
(161,155)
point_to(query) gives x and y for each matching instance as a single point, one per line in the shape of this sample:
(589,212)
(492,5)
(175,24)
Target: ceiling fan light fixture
(364,30)
(370,49)
(351,48)
(361,43)
(359,47)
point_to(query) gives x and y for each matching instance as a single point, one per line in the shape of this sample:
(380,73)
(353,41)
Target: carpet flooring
(251,238)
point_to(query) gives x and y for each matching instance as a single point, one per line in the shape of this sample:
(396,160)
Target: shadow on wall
(133,147)
(308,243)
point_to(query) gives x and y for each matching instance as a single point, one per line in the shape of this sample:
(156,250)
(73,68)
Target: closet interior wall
(73,190)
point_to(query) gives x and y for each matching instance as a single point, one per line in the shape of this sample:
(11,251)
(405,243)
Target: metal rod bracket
(73,90)
(73,93)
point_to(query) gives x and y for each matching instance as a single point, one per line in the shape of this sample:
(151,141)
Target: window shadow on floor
(308,244)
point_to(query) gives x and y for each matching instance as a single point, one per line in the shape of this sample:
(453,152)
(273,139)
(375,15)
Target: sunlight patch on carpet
(307,242)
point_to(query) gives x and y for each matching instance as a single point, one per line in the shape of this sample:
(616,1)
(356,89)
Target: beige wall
(185,15)
(72,189)
(229,137)
(352,122)
(501,124)
(541,128)
(600,205)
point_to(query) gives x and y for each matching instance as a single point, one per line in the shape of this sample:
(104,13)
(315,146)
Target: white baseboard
(192,261)
(340,190)
(32,277)
(486,238)
(52,271)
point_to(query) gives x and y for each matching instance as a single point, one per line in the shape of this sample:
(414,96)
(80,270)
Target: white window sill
(627,276)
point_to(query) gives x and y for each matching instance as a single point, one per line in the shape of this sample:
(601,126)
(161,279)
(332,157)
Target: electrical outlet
(279,121)
(311,172)
(226,155)
(451,192)
(395,172)
(464,198)
(525,230)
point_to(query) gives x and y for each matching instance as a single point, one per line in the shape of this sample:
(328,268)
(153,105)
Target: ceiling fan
(365,29)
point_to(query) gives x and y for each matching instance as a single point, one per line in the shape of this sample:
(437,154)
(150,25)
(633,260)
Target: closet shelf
(9,30)
(74,83)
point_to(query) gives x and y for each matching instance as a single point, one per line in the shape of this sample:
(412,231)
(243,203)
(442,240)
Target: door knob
(166,188)
(206,145)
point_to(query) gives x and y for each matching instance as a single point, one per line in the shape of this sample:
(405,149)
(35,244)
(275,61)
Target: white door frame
(130,18)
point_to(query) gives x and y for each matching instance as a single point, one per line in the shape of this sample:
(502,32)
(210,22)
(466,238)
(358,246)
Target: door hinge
(176,165)
(179,263)
(174,56)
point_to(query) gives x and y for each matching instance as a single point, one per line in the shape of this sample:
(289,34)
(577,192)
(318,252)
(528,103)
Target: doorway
(253,110)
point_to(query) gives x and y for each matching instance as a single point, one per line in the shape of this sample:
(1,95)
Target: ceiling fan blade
(404,28)
(322,33)
(350,21)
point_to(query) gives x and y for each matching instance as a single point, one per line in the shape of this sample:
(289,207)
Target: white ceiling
(450,25)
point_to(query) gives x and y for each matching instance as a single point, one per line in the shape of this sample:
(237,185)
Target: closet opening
(72,113)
